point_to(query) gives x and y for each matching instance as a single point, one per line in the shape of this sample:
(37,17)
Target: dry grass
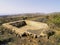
(31,25)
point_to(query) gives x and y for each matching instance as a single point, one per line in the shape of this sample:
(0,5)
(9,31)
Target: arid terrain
(38,29)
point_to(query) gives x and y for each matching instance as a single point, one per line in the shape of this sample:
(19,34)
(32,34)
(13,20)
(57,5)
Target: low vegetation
(53,20)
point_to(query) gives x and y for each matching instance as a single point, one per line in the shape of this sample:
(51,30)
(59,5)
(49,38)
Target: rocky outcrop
(20,27)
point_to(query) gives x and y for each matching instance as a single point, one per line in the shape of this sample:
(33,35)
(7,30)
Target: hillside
(51,19)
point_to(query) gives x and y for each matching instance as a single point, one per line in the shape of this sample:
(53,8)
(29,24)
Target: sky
(29,6)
